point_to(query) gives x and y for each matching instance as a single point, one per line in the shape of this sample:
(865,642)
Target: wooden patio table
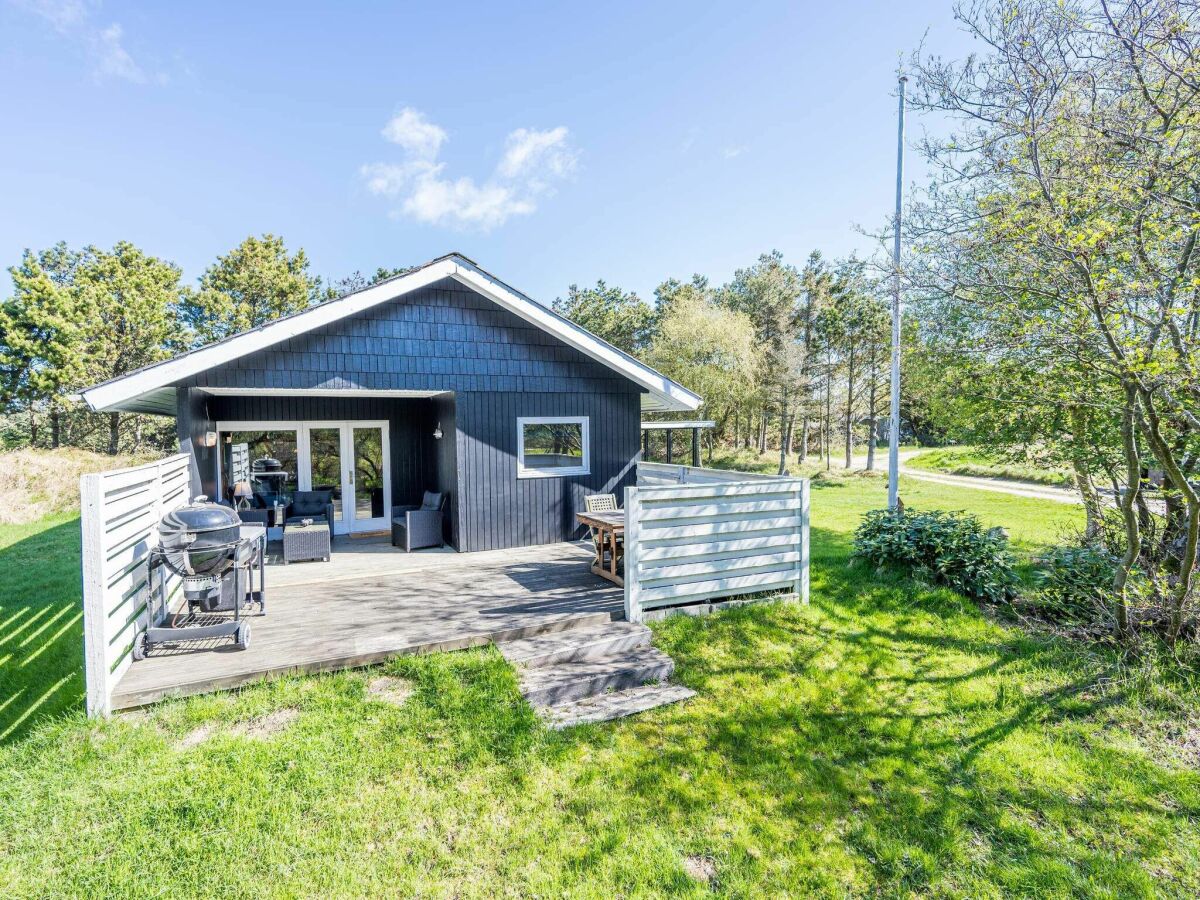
(610,526)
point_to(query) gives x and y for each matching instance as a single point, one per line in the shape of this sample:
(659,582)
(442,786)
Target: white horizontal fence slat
(694,535)
(119,511)
(654,474)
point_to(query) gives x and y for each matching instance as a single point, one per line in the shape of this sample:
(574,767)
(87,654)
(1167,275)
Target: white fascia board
(121,390)
(318,392)
(671,396)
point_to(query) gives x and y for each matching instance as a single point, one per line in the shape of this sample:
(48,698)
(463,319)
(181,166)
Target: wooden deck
(371,602)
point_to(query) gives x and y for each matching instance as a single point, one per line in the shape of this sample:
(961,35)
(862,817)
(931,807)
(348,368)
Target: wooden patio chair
(600,503)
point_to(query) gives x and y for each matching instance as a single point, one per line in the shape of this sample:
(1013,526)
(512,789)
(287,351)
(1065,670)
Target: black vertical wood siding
(446,411)
(498,367)
(410,429)
(191,423)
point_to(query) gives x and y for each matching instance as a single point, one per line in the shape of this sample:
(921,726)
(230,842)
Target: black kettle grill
(200,539)
(202,543)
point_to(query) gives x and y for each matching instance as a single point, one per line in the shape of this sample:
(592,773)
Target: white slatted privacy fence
(656,474)
(239,463)
(715,536)
(120,510)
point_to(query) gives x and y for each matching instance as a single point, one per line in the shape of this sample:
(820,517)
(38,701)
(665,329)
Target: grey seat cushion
(308,506)
(431,500)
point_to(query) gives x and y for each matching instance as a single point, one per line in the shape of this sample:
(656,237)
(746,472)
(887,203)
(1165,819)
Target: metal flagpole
(894,430)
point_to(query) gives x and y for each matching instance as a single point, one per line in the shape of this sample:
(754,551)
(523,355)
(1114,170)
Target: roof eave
(128,392)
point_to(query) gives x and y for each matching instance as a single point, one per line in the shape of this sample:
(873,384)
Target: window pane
(272,467)
(325,460)
(553,446)
(368,473)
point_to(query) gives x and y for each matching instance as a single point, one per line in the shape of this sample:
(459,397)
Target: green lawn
(888,740)
(970,461)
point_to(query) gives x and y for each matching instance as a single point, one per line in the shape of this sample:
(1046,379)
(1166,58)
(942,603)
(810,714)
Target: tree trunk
(785,434)
(114,433)
(1092,506)
(762,433)
(1133,538)
(849,435)
(829,420)
(872,422)
(804,439)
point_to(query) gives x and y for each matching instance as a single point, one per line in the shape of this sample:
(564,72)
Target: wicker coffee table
(305,542)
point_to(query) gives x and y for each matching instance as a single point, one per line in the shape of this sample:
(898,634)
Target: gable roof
(150,389)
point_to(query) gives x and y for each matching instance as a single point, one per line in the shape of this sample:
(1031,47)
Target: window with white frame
(549,446)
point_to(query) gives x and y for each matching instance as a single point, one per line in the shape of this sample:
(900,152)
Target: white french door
(352,460)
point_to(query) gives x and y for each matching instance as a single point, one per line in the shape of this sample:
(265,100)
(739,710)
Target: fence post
(91,523)
(802,574)
(633,514)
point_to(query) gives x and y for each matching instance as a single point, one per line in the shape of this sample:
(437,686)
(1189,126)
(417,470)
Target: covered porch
(369,603)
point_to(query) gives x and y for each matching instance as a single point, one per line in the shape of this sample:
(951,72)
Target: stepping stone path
(593,673)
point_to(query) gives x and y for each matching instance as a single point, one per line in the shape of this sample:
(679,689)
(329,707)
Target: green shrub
(1074,584)
(953,549)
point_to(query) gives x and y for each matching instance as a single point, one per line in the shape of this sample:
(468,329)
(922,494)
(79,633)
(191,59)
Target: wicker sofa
(315,505)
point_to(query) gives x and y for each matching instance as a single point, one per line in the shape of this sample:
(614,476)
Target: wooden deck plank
(371,602)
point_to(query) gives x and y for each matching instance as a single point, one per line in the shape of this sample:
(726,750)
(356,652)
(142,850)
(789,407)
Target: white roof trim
(316,392)
(119,392)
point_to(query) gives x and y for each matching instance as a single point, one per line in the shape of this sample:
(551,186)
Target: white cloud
(72,19)
(734,152)
(532,161)
(62,14)
(411,130)
(439,201)
(528,150)
(113,59)
(390,179)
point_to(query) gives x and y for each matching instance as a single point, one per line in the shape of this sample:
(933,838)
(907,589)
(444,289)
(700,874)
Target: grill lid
(198,517)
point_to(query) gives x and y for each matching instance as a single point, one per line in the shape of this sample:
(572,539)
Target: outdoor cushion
(305,506)
(299,520)
(431,500)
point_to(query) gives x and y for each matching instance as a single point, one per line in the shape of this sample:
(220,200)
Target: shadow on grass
(930,739)
(41,625)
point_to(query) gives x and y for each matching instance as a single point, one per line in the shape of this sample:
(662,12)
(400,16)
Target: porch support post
(645,446)
(696,447)
(670,446)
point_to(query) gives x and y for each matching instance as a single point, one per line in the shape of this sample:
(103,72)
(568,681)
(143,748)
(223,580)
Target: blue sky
(551,142)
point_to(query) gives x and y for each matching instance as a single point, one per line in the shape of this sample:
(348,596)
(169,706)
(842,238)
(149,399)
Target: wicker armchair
(415,527)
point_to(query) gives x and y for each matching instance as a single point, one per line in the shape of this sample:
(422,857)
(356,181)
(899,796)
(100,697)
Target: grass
(970,461)
(742,460)
(38,483)
(888,740)
(41,623)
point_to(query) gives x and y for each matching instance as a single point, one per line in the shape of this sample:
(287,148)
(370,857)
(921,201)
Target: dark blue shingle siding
(499,367)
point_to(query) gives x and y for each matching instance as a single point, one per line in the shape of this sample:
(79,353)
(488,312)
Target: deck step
(568,681)
(615,705)
(575,644)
